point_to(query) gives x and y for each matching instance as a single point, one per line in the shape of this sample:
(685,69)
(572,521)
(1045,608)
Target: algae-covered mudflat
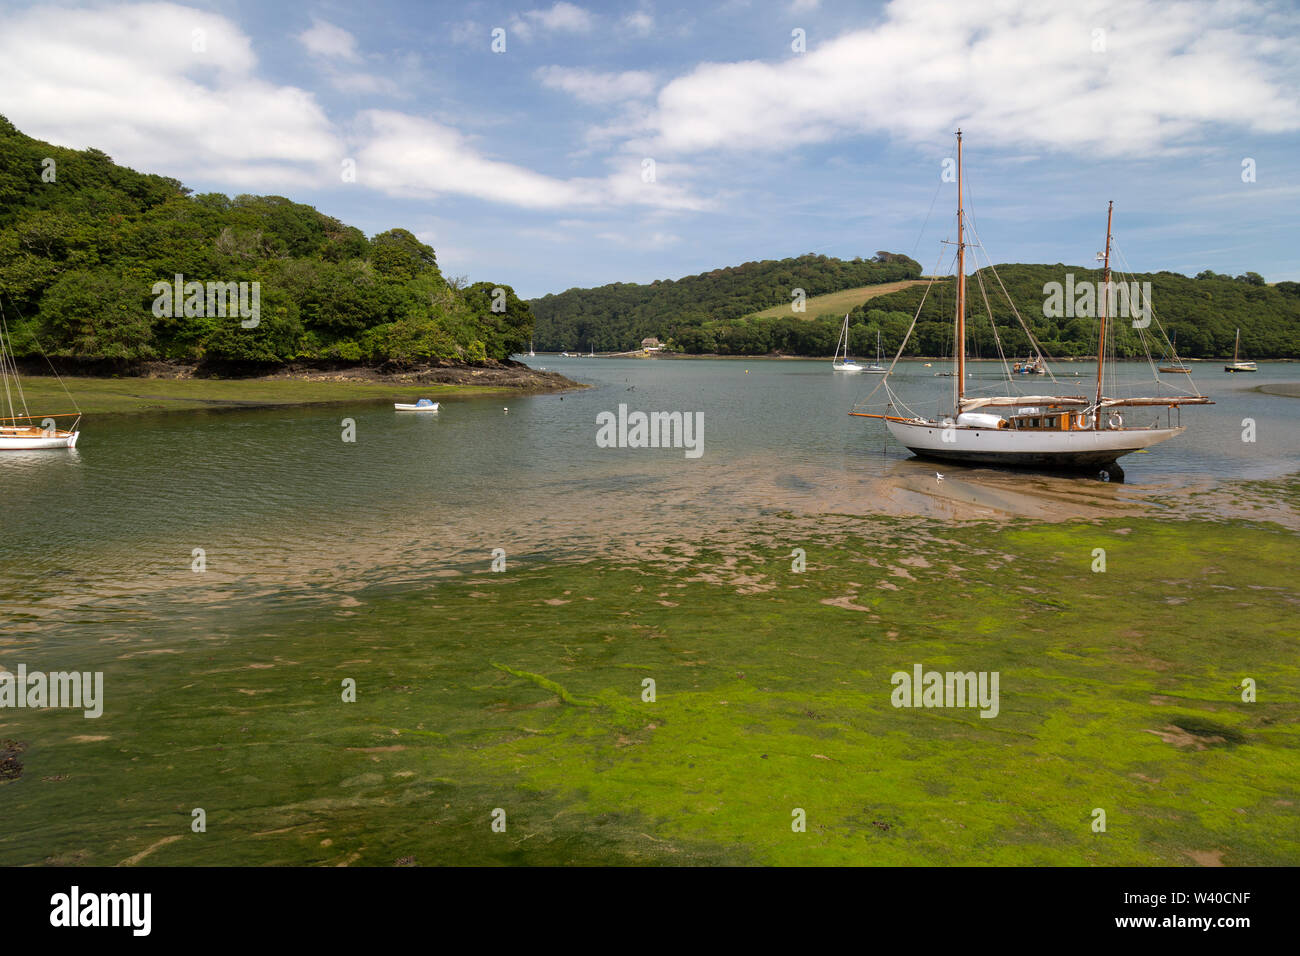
(521,697)
(132,394)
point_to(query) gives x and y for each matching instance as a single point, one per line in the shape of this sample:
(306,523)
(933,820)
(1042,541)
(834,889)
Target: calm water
(284,509)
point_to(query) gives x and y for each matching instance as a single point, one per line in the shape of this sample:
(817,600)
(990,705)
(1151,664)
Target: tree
(97,315)
(399,256)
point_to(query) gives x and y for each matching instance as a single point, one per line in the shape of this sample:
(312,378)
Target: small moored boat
(844,364)
(1239,365)
(19,430)
(423,405)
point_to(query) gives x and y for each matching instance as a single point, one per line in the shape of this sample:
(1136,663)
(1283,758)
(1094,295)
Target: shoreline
(911,358)
(177,389)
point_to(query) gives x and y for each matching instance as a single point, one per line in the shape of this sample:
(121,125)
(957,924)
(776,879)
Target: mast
(1103,296)
(961,288)
(1236,346)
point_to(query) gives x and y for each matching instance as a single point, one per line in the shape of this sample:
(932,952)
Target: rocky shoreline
(491,374)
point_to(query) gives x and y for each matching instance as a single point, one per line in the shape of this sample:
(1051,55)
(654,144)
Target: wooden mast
(1103,295)
(961,288)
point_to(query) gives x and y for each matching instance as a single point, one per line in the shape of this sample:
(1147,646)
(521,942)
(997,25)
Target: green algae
(1120,691)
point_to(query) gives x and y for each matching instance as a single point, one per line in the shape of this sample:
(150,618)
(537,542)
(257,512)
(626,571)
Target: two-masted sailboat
(25,431)
(1054,432)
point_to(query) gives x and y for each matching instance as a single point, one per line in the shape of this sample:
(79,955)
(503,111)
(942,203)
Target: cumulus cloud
(1111,77)
(561,18)
(325,39)
(404,155)
(161,87)
(591,86)
(166,88)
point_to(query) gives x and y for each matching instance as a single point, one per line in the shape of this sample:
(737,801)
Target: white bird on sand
(938,477)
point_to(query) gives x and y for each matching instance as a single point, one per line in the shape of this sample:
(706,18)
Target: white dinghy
(423,405)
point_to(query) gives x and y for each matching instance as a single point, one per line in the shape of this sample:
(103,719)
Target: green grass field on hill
(837,302)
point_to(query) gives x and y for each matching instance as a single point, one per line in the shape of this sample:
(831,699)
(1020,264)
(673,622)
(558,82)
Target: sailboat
(26,432)
(1239,366)
(877,368)
(1058,432)
(531,353)
(1174,364)
(847,364)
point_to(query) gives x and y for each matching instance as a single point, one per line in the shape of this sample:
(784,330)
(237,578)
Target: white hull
(848,367)
(416,408)
(21,442)
(1003,446)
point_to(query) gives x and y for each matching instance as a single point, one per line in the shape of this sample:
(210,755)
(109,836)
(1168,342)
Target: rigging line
(1124,274)
(934,277)
(997,339)
(1127,272)
(933,199)
(1033,340)
(48,361)
(6,360)
(1045,358)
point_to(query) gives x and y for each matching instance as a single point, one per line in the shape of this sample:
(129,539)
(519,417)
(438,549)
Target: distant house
(651,344)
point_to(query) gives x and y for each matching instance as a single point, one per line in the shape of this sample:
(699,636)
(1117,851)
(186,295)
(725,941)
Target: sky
(556,145)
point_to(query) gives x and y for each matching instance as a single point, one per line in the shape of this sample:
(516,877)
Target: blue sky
(529,166)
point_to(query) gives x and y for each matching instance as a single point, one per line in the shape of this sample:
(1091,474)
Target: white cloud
(640,239)
(640,22)
(163,88)
(590,86)
(1012,72)
(407,155)
(329,44)
(326,40)
(561,18)
(404,155)
(358,82)
(128,80)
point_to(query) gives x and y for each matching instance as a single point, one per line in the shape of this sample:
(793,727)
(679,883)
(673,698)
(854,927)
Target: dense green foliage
(82,243)
(617,317)
(712,313)
(1205,313)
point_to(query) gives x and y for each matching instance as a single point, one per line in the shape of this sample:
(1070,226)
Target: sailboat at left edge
(21,430)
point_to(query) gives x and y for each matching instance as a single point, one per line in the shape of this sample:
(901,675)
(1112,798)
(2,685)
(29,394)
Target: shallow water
(328,560)
(277,500)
